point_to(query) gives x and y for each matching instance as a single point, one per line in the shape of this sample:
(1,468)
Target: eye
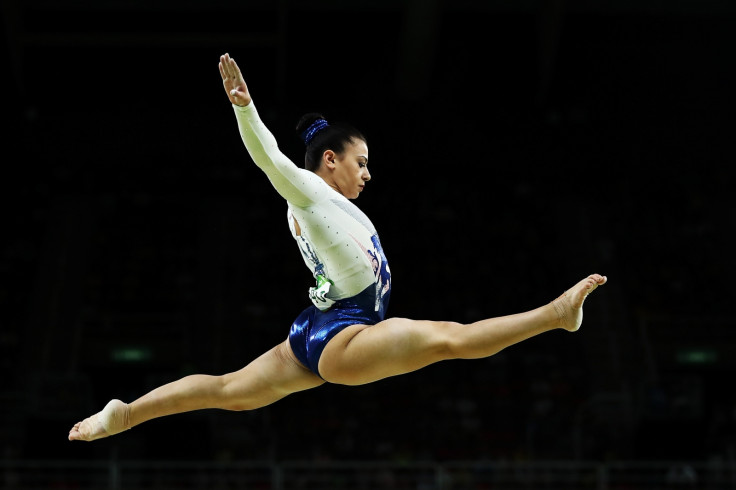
(361,164)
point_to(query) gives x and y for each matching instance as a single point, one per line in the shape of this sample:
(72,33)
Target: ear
(328,159)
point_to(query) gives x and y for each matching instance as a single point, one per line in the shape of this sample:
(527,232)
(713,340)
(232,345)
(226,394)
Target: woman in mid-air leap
(345,336)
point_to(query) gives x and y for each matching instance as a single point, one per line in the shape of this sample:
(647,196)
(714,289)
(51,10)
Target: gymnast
(345,335)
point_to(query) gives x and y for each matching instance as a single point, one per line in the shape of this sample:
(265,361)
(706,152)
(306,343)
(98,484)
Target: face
(351,170)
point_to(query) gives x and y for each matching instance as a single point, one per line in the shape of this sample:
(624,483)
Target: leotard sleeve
(298,186)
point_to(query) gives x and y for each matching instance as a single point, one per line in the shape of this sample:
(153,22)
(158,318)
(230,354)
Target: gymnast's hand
(232,80)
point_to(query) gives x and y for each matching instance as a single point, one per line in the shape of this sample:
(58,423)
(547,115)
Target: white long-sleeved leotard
(336,239)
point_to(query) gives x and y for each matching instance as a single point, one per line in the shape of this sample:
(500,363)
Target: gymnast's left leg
(364,353)
(270,377)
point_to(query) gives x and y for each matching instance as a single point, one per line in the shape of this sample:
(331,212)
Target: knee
(451,344)
(230,396)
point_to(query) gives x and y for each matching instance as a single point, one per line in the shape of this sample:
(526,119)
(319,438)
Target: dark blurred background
(516,146)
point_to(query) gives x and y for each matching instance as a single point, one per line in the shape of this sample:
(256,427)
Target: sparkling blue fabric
(313,329)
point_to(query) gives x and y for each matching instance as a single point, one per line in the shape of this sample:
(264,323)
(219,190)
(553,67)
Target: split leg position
(359,354)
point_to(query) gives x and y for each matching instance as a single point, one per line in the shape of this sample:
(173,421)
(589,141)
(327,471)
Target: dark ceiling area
(515,148)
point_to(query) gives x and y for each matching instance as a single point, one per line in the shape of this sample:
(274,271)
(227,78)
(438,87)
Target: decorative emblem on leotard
(318,294)
(382,274)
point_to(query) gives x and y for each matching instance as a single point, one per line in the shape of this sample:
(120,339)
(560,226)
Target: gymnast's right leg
(267,379)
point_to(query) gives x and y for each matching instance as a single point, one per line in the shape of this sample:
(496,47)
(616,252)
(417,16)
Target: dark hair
(334,136)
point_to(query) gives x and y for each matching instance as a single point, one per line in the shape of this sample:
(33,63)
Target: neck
(326,175)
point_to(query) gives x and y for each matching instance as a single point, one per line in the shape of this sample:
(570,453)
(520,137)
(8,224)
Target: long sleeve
(298,186)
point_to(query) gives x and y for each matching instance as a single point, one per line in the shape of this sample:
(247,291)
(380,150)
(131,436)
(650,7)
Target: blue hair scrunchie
(314,128)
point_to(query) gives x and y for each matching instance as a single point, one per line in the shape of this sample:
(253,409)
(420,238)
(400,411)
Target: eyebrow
(363,156)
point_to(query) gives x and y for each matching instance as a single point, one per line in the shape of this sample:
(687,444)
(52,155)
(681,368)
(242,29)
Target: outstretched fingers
(232,80)
(229,70)
(225,68)
(221,66)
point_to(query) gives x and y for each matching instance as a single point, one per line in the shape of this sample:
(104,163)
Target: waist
(373,300)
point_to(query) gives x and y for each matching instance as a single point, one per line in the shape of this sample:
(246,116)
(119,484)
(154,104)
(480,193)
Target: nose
(366,175)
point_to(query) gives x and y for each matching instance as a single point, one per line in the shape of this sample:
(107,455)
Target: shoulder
(313,186)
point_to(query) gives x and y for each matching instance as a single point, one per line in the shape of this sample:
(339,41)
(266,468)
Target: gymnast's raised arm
(297,185)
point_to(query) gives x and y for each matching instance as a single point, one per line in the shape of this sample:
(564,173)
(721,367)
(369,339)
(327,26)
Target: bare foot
(569,306)
(113,419)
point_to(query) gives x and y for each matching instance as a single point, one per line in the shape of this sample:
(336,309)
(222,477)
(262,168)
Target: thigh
(364,353)
(268,378)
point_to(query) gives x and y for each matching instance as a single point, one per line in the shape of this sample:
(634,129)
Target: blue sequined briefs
(313,329)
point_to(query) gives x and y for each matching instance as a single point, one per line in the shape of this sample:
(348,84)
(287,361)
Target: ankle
(561,309)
